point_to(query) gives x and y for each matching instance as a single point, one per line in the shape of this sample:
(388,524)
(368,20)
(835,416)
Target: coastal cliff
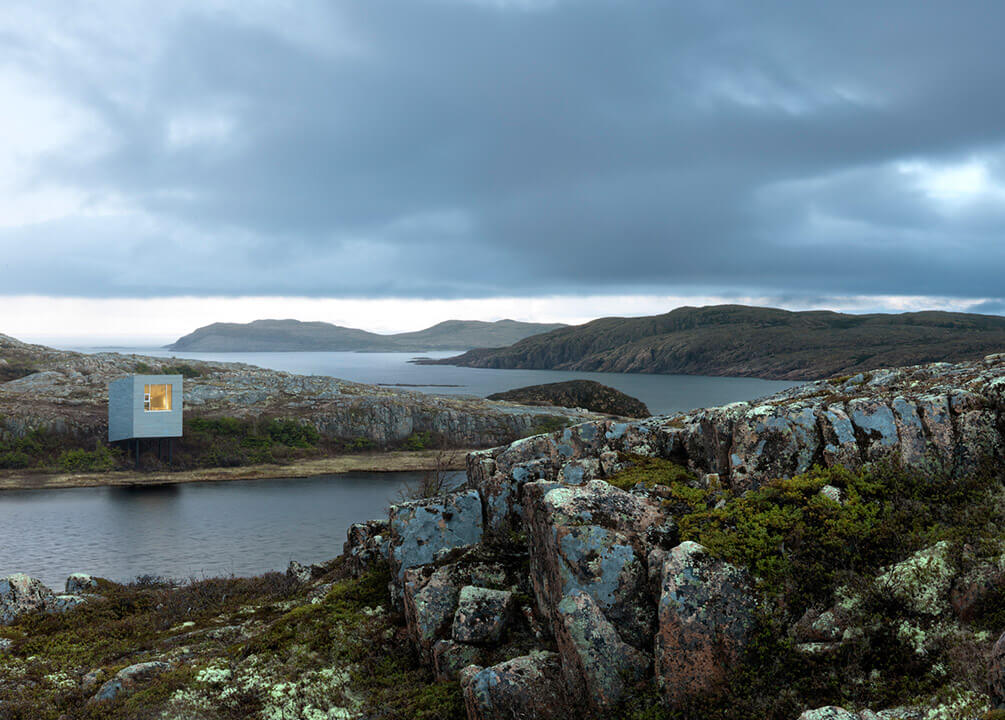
(834,551)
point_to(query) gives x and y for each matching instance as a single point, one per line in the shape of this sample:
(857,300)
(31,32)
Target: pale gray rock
(20,594)
(128,677)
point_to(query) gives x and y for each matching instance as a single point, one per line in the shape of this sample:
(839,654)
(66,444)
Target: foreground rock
(706,611)
(525,687)
(20,594)
(586,394)
(128,678)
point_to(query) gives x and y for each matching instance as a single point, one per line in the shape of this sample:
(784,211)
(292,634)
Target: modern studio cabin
(145,406)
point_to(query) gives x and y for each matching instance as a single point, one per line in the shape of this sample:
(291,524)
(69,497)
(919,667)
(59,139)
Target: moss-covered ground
(263,647)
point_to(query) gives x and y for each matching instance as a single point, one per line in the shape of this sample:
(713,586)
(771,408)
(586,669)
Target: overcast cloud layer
(451,148)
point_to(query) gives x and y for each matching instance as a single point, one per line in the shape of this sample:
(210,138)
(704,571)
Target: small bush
(360,444)
(183,369)
(14,460)
(549,424)
(418,441)
(292,433)
(100,459)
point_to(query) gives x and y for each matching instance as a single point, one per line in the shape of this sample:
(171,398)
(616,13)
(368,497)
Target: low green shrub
(14,460)
(292,433)
(418,441)
(101,459)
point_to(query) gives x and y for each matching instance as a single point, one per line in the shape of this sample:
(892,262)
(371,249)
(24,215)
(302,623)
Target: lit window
(156,397)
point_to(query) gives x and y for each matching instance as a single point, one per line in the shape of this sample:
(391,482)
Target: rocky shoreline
(832,552)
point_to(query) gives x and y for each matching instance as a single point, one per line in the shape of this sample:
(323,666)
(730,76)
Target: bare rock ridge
(586,394)
(66,392)
(609,598)
(735,340)
(294,335)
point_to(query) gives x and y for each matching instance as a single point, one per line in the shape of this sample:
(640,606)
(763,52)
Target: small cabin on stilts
(142,407)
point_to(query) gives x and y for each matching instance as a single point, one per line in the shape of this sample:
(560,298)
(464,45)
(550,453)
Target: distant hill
(586,394)
(294,335)
(751,341)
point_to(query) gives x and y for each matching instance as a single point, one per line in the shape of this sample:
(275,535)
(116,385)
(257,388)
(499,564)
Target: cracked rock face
(421,528)
(482,614)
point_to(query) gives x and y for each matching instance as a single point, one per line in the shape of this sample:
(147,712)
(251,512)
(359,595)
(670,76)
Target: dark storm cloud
(451,148)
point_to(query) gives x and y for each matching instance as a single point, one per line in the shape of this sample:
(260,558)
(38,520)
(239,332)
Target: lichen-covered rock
(419,529)
(20,594)
(706,611)
(772,441)
(450,657)
(529,687)
(596,662)
(366,544)
(996,674)
(593,538)
(482,614)
(127,678)
(922,582)
(62,603)
(829,713)
(78,583)
(430,601)
(298,572)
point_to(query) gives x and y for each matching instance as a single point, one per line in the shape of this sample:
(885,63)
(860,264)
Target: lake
(661,393)
(189,530)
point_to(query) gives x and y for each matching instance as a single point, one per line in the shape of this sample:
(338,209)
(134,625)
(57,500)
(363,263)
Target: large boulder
(593,538)
(20,594)
(529,687)
(597,663)
(706,611)
(127,678)
(422,528)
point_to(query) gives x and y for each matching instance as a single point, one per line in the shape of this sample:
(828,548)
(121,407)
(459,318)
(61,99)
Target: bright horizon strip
(160,320)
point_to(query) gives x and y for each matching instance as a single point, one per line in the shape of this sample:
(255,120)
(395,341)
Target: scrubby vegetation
(242,647)
(811,552)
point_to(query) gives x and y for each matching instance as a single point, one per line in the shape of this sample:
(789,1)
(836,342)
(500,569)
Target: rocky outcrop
(587,394)
(617,600)
(996,674)
(366,544)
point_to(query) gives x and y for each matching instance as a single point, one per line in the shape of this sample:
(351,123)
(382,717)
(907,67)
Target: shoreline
(393,461)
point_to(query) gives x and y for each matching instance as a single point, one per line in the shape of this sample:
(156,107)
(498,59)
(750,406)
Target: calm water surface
(180,531)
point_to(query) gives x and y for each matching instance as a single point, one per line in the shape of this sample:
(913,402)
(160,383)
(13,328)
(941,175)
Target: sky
(392,163)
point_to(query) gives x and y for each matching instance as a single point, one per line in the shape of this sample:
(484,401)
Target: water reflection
(196,529)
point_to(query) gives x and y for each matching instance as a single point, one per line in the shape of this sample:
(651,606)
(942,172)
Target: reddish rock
(996,675)
(529,687)
(705,614)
